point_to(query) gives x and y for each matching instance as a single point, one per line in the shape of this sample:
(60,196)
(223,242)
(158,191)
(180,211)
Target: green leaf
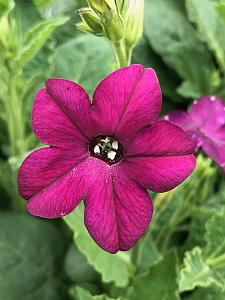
(35,39)
(174,209)
(220,7)
(30,255)
(206,267)
(208,294)
(79,293)
(210,27)
(85,60)
(195,272)
(6,6)
(197,231)
(171,36)
(215,232)
(148,254)
(216,202)
(160,283)
(143,54)
(40,4)
(77,267)
(113,268)
(26,15)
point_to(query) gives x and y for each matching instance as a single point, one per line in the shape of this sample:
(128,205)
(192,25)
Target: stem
(15,121)
(218,261)
(121,54)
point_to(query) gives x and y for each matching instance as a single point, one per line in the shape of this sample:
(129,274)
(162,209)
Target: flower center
(106,148)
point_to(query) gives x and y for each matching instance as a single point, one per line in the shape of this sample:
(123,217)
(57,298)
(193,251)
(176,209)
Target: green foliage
(211,28)
(143,54)
(171,36)
(30,260)
(80,59)
(208,294)
(182,254)
(77,267)
(205,267)
(220,7)
(79,293)
(147,253)
(120,266)
(40,4)
(160,282)
(5,7)
(35,39)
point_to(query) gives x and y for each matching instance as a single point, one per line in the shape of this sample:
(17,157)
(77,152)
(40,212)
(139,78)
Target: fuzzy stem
(121,54)
(218,261)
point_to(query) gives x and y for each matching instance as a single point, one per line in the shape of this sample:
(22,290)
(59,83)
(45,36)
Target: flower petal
(160,139)
(127,100)
(182,119)
(117,210)
(208,113)
(52,126)
(62,196)
(74,101)
(43,167)
(160,174)
(215,150)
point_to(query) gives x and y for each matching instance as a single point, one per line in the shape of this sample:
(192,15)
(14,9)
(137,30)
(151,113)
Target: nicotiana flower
(205,125)
(106,152)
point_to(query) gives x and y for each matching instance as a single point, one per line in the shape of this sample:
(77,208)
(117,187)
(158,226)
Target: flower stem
(122,54)
(218,261)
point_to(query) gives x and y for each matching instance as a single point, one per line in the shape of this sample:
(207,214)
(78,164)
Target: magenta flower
(107,153)
(205,125)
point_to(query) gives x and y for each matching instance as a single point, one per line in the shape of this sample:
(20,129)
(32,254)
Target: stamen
(107,140)
(106,148)
(97,149)
(111,155)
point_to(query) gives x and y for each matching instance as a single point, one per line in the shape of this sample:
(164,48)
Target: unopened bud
(100,6)
(134,22)
(114,29)
(122,6)
(82,26)
(91,19)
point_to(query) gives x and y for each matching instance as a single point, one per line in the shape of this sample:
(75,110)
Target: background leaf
(159,283)
(120,266)
(30,255)
(81,60)
(35,39)
(208,294)
(172,37)
(206,267)
(5,6)
(210,27)
(77,267)
(79,293)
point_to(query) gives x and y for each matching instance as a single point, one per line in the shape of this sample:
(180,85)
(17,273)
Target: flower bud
(109,14)
(91,19)
(122,6)
(134,22)
(101,6)
(82,26)
(113,27)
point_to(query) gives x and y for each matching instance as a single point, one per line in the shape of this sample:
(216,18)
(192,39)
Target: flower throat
(107,149)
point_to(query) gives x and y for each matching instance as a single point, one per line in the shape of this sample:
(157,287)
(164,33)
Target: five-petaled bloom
(205,125)
(106,152)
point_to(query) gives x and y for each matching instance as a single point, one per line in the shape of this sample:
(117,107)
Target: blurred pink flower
(205,125)
(107,153)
